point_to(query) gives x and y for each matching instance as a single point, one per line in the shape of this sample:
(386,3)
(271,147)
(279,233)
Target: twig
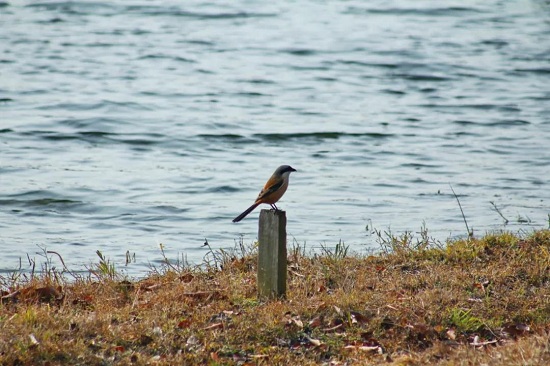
(32,262)
(63,262)
(470,234)
(60,258)
(166,260)
(495,208)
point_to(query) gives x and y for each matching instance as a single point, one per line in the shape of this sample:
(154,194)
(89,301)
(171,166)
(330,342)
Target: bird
(272,192)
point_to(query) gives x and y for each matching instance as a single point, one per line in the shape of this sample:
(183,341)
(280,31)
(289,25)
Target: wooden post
(272,254)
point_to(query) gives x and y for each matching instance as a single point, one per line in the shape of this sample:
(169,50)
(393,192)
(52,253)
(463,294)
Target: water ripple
(319,135)
(431,12)
(125,124)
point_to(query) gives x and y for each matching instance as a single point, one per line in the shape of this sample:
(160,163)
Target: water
(125,124)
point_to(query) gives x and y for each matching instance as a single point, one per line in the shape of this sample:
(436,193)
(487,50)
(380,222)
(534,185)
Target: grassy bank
(472,302)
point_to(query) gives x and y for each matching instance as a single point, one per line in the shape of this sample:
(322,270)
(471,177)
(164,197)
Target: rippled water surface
(125,124)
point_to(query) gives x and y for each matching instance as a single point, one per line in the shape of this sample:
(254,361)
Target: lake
(127,124)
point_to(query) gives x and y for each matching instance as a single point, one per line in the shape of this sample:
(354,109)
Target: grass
(469,302)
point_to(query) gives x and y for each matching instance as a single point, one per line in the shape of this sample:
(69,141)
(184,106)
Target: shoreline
(480,300)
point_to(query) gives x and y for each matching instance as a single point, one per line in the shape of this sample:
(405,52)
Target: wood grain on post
(272,254)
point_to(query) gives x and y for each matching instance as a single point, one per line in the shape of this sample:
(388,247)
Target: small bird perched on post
(273,190)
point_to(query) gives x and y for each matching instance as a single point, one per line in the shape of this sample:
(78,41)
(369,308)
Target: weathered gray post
(272,254)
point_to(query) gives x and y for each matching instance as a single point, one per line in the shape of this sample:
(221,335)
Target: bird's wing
(266,192)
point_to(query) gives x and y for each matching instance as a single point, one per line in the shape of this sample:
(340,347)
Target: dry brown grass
(475,302)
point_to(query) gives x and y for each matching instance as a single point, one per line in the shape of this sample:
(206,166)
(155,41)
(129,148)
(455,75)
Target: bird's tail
(248,210)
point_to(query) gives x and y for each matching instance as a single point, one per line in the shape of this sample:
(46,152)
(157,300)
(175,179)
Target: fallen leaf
(186,323)
(516,329)
(214,356)
(475,299)
(296,320)
(259,357)
(290,319)
(34,342)
(370,348)
(362,348)
(358,317)
(478,343)
(370,345)
(316,322)
(451,334)
(314,342)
